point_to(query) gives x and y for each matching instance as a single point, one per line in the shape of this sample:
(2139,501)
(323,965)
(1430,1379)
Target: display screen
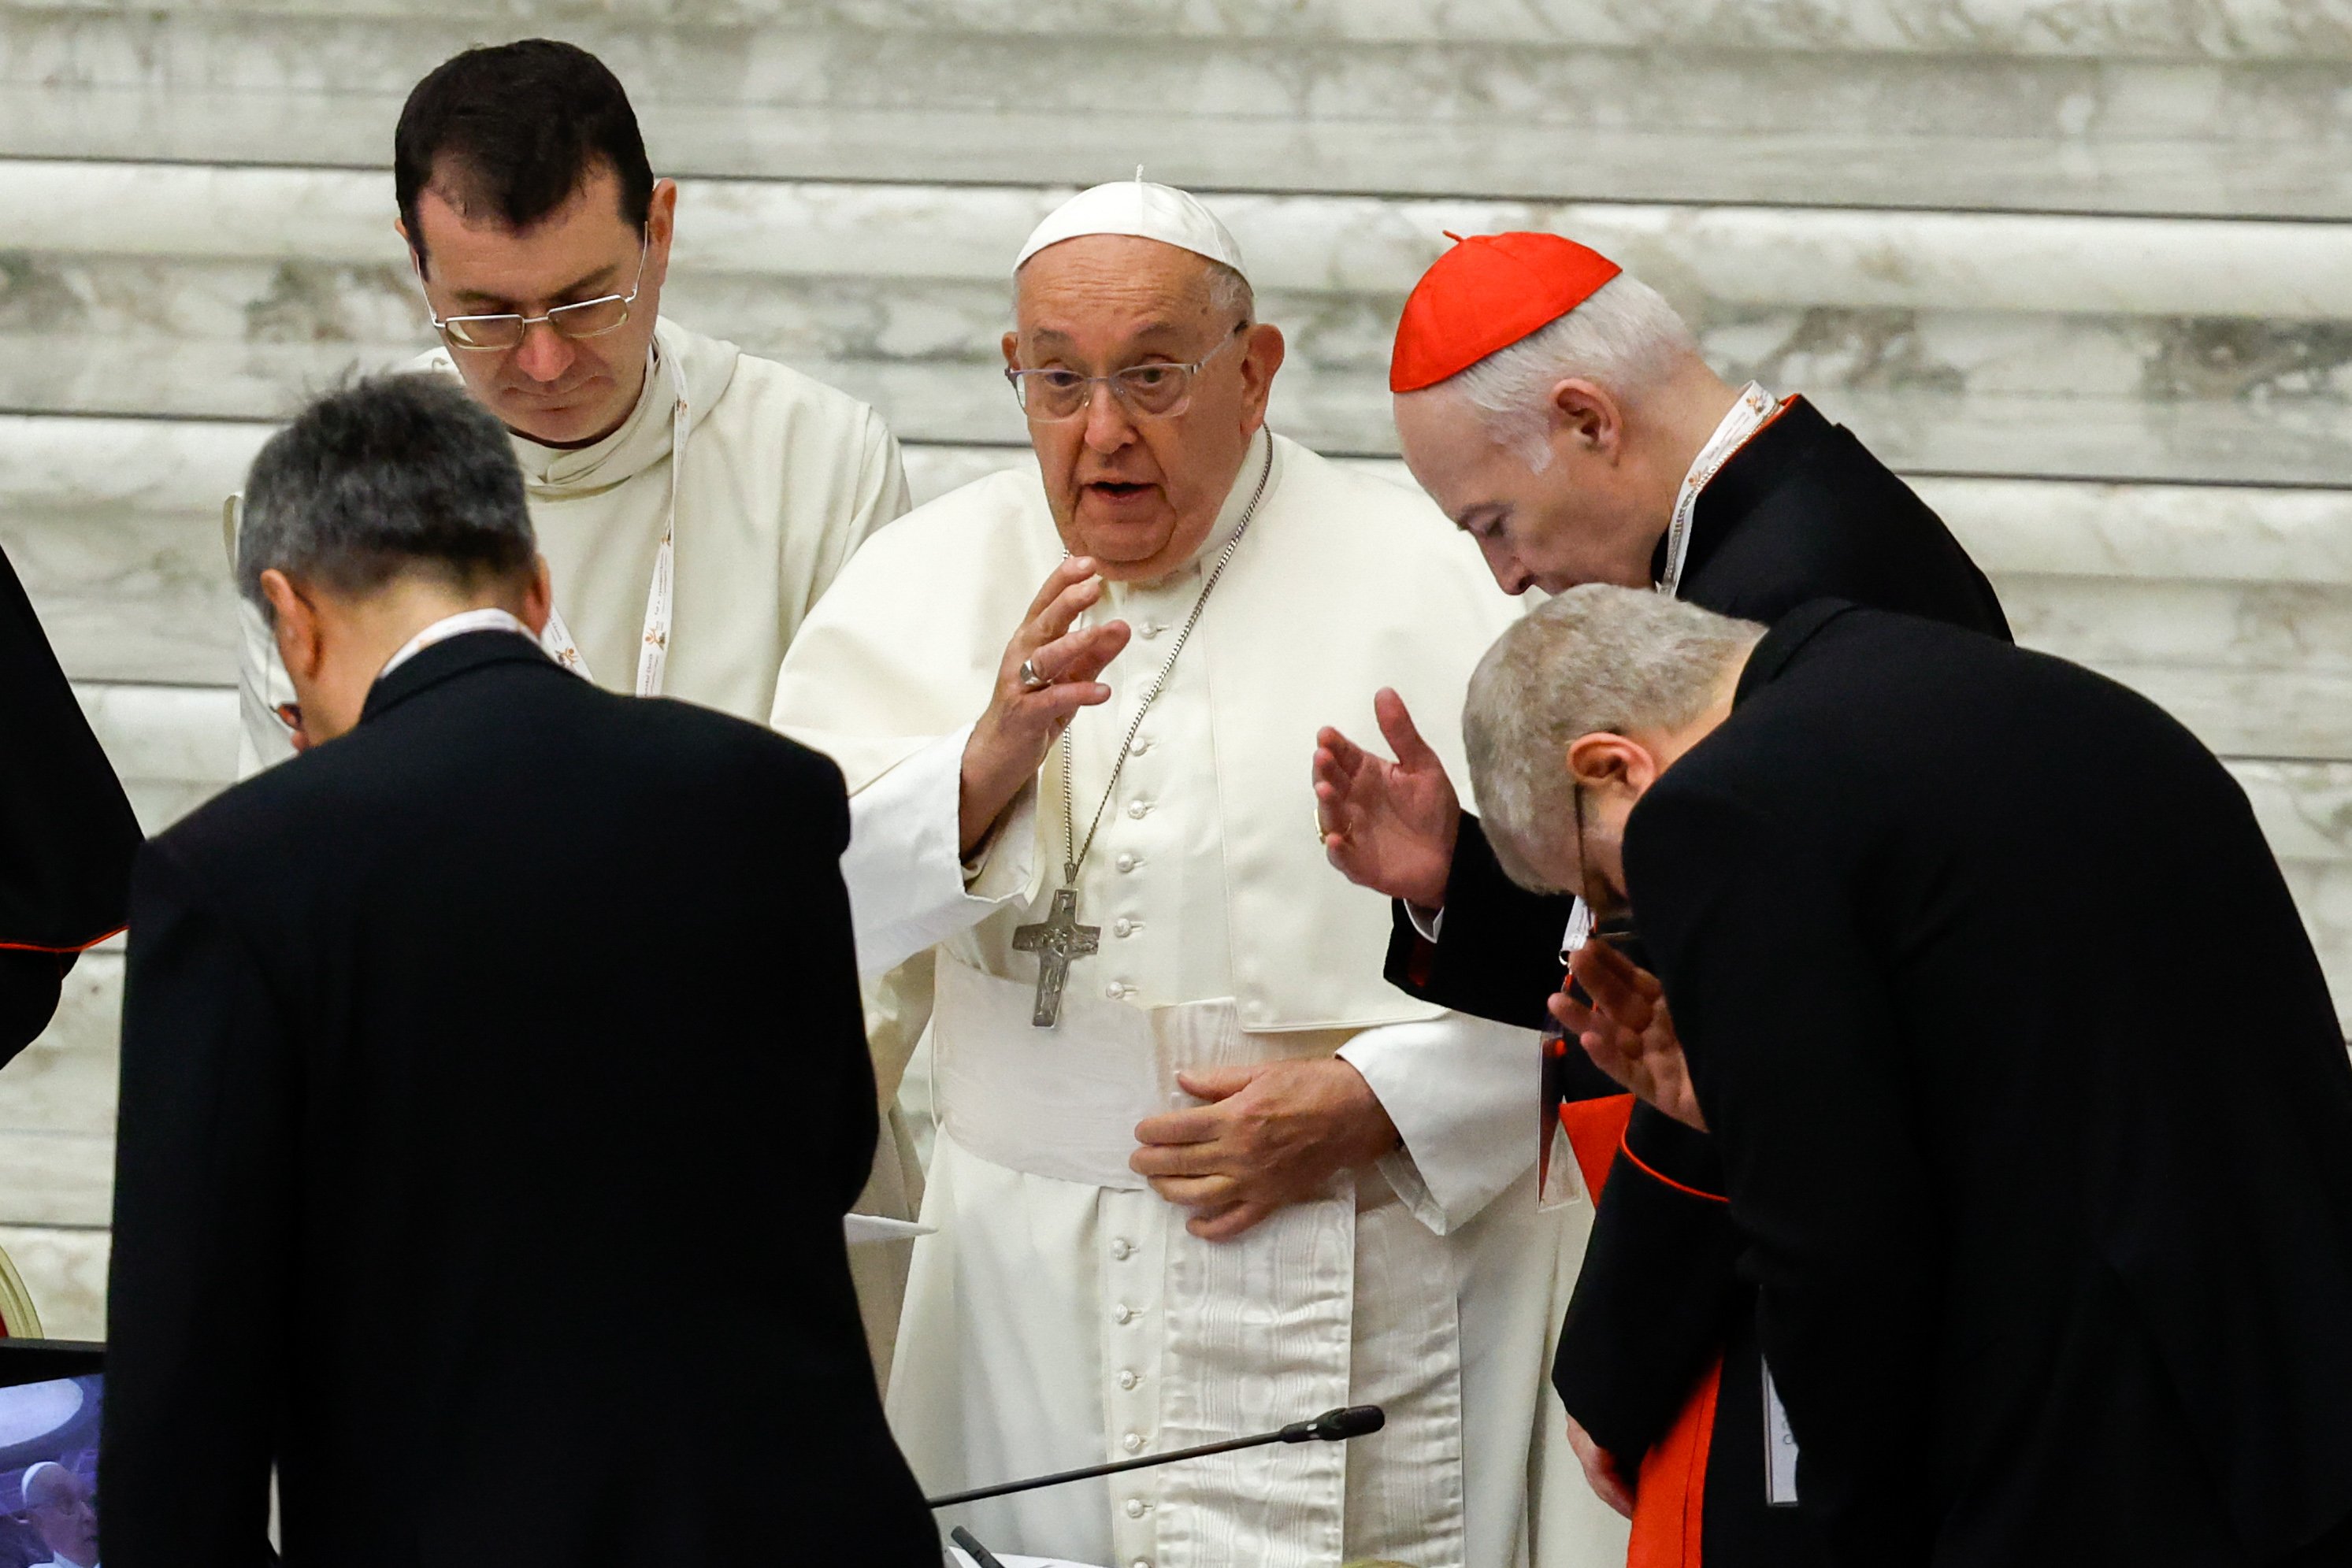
(48,1458)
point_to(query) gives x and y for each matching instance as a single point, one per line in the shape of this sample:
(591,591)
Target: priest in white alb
(1199,1170)
(692,500)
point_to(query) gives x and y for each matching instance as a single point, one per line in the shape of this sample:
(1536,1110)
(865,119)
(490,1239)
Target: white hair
(1624,338)
(1596,660)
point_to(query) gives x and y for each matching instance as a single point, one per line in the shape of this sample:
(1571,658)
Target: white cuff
(907,885)
(1465,1096)
(1430,922)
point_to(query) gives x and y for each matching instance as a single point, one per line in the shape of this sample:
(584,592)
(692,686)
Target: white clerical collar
(457,625)
(1753,410)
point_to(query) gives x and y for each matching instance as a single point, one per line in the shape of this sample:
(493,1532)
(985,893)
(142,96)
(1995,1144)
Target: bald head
(1135,488)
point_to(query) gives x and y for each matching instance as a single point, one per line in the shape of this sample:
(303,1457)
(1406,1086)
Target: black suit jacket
(2048,1273)
(1801,511)
(493,1085)
(66,834)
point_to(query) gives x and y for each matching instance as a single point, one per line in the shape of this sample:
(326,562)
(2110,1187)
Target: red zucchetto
(1486,293)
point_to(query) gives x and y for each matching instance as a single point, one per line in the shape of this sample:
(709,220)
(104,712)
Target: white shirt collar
(456,625)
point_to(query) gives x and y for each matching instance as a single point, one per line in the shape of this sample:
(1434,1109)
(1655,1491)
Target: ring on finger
(1030,681)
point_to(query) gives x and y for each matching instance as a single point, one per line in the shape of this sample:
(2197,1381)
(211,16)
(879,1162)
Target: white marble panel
(2168,29)
(1729,256)
(55,1179)
(65,1271)
(2042,528)
(63,1083)
(173,747)
(2280,177)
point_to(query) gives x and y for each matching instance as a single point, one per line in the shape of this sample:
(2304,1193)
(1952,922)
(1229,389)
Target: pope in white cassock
(1199,1171)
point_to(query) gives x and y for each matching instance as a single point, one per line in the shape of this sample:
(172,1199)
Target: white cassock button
(1115,991)
(1142,743)
(1122,1249)
(1126,1314)
(1122,927)
(1134,1507)
(1150,629)
(1132,1442)
(1139,809)
(1125,862)
(1128,1380)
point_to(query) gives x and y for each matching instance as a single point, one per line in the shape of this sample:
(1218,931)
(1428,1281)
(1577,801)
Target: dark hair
(513,130)
(388,476)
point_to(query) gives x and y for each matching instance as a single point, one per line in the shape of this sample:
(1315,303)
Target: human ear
(294,623)
(416,255)
(1012,346)
(1586,418)
(1605,762)
(1262,356)
(539,598)
(661,226)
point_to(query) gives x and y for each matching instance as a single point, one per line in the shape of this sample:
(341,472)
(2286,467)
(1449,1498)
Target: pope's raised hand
(1628,1031)
(1388,826)
(1021,721)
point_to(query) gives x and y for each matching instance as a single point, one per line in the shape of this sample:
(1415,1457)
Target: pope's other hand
(1628,1031)
(1271,1135)
(1388,826)
(1012,737)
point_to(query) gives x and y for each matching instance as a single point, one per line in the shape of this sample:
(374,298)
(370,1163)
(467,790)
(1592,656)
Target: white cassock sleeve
(1459,1090)
(910,888)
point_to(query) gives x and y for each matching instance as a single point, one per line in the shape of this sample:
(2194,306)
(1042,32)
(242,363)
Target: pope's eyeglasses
(586,319)
(1151,392)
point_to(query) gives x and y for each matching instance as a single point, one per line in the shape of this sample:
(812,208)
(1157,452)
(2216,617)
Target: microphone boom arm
(1331,1426)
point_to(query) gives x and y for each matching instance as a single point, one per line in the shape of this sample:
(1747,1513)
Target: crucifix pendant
(1057,940)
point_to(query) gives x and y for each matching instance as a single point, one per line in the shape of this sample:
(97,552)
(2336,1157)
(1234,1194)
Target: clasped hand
(1271,1134)
(1388,826)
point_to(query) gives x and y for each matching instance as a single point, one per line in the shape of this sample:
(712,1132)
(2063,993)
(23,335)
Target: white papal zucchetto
(1142,208)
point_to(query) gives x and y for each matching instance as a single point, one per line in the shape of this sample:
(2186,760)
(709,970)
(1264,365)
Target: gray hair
(1624,338)
(1596,660)
(388,476)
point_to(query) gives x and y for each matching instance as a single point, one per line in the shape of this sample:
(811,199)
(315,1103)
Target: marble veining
(65,1271)
(1743,257)
(2150,28)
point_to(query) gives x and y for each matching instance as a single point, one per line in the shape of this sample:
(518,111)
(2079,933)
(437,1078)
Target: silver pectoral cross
(1057,940)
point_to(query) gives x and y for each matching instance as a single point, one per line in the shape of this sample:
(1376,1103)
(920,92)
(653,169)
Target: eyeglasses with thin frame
(1151,391)
(585,318)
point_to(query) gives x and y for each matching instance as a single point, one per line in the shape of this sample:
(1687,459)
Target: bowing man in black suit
(493,1084)
(66,834)
(2046,1276)
(1559,412)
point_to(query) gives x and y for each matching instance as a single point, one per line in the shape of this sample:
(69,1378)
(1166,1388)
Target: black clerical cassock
(2033,1105)
(1801,511)
(66,834)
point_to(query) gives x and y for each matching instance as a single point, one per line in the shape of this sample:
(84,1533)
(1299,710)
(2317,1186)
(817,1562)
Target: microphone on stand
(1331,1426)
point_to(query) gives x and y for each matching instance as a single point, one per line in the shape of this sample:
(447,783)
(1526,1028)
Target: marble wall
(2083,271)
